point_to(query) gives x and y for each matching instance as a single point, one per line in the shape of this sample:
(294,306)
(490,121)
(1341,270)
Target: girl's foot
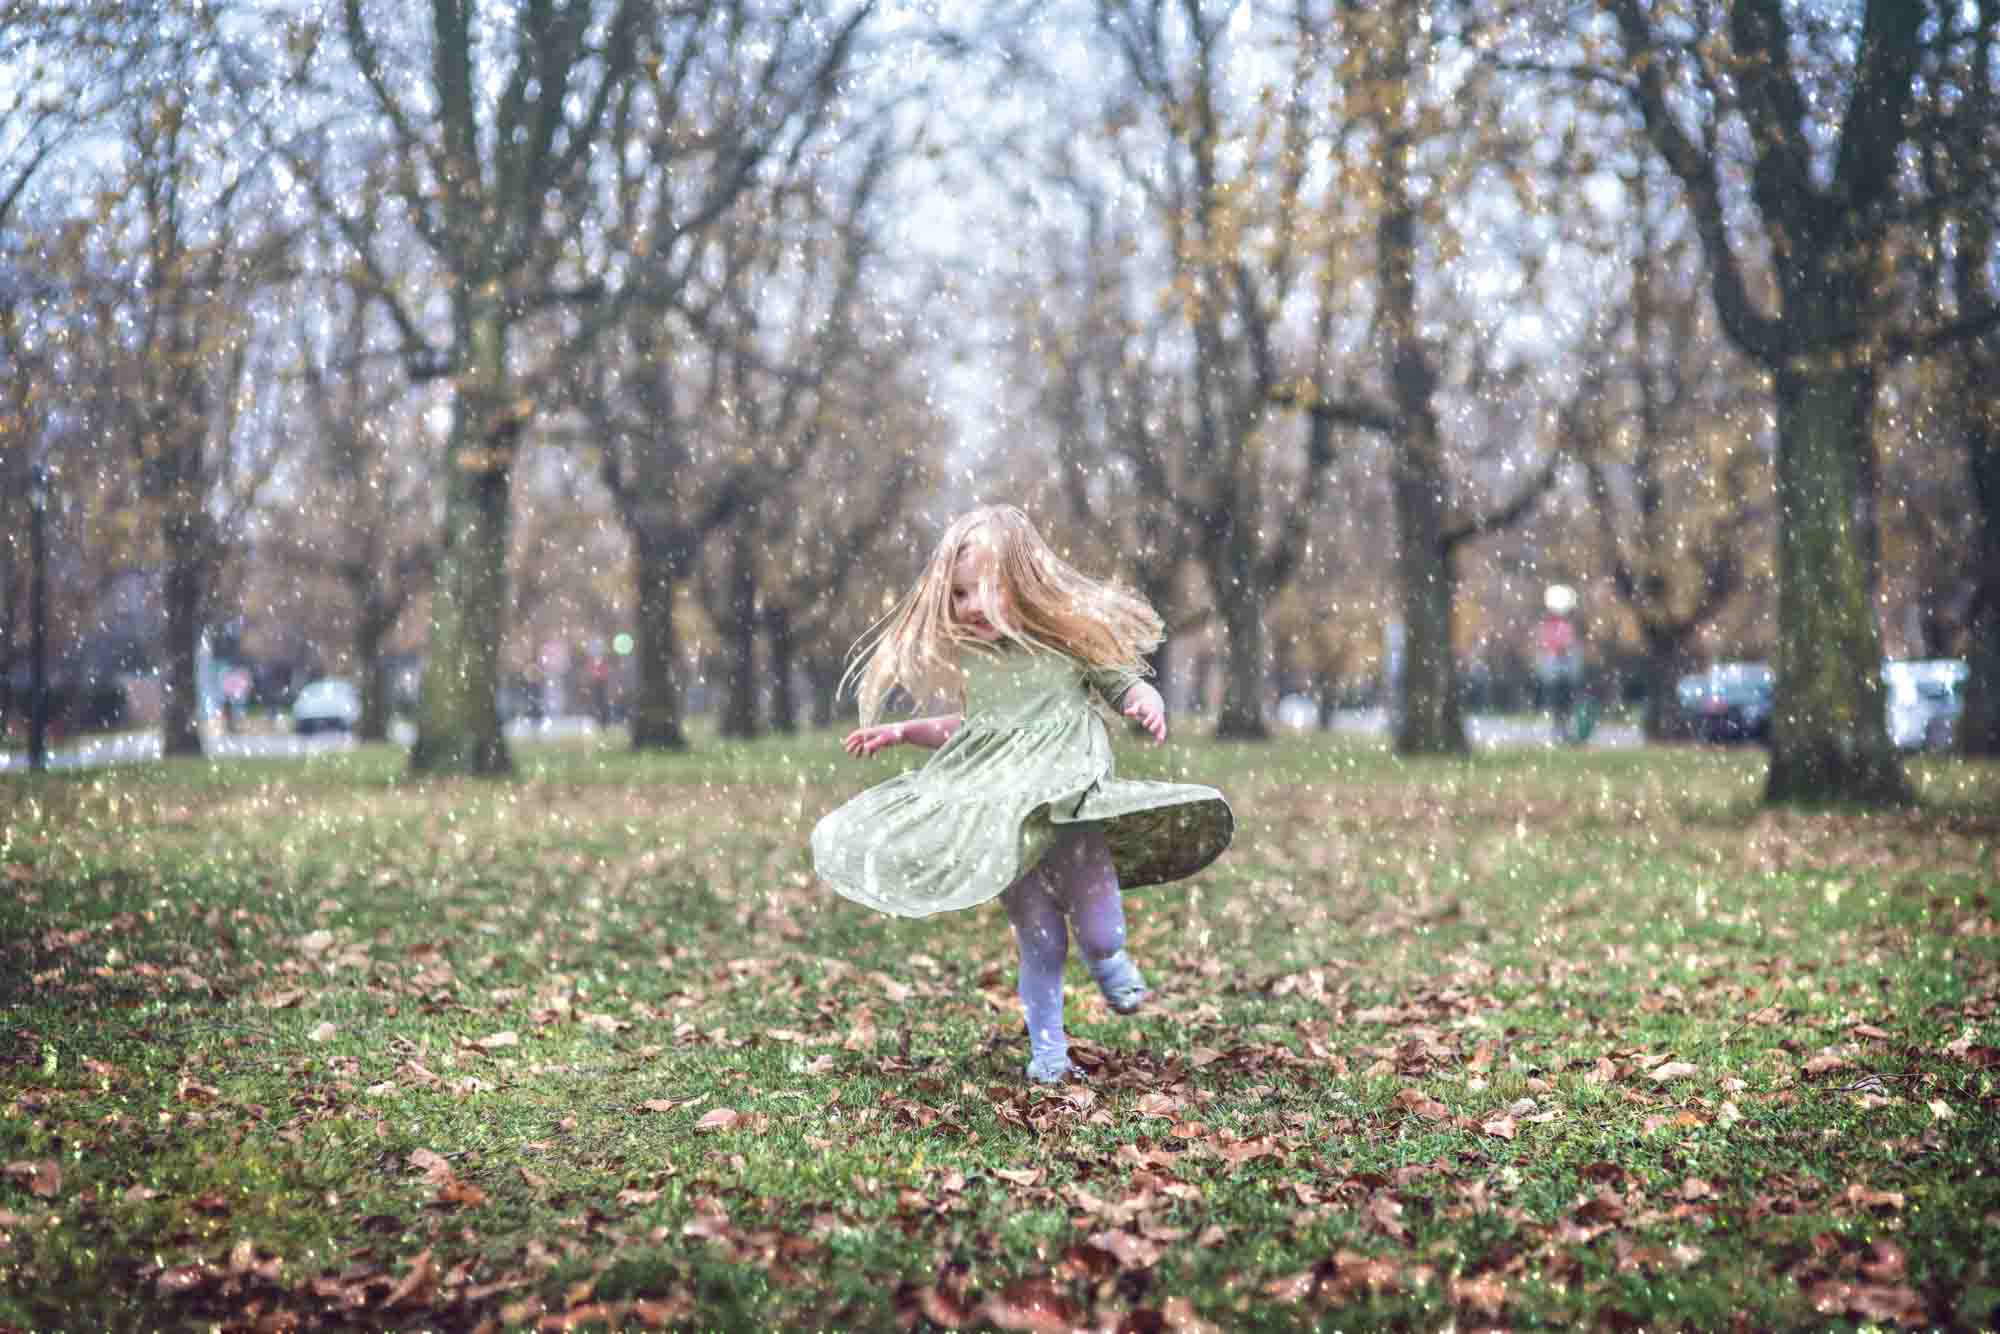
(1050,1068)
(1118,978)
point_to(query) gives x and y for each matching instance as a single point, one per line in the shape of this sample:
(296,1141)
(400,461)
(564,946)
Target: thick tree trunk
(1241,714)
(180,721)
(656,713)
(458,727)
(1829,736)
(784,654)
(369,633)
(1665,663)
(739,634)
(1429,720)
(1978,731)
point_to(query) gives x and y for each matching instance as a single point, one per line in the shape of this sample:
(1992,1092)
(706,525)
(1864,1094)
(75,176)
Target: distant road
(137,747)
(1492,731)
(1487,731)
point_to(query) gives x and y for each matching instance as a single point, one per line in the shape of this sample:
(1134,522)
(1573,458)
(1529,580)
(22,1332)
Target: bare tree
(1821,111)
(190,353)
(1666,430)
(559,161)
(724,389)
(363,517)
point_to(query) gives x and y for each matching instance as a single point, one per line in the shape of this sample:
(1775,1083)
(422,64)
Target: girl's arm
(929,733)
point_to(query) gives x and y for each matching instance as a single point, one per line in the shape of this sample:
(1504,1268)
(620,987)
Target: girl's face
(976,595)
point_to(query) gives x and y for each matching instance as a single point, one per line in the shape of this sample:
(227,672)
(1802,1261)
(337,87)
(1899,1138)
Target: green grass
(304,1045)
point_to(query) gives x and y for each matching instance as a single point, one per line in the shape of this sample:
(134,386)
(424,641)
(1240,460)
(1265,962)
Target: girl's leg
(1042,939)
(1084,879)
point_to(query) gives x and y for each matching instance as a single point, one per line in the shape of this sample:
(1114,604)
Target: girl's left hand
(1144,706)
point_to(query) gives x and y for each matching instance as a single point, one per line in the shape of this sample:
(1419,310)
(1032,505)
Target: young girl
(1019,802)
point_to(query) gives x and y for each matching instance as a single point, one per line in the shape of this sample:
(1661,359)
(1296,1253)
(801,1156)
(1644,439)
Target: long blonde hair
(1049,605)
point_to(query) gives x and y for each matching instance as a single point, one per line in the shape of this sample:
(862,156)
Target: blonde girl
(1019,800)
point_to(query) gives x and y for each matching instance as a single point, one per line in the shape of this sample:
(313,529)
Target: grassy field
(1540,1039)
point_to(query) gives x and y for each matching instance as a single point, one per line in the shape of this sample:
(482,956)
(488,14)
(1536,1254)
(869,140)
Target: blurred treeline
(627,356)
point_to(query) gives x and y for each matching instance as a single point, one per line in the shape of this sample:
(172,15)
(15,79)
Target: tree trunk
(1429,720)
(823,678)
(1665,663)
(784,653)
(739,634)
(370,630)
(656,713)
(180,721)
(1241,715)
(1978,731)
(1830,735)
(458,728)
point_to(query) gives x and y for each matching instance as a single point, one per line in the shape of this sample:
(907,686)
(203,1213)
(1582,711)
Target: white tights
(1073,886)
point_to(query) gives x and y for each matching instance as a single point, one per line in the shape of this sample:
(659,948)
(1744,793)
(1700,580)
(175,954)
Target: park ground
(1536,1039)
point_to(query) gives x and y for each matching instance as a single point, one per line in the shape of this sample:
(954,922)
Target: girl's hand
(1144,706)
(867,740)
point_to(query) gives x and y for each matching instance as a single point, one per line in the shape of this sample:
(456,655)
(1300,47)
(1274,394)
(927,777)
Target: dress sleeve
(1112,682)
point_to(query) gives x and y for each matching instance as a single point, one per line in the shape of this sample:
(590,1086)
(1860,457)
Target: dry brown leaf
(1133,1252)
(1672,1070)
(1020,1176)
(1500,1127)
(462,1193)
(1036,1305)
(43,1177)
(416,1286)
(495,1041)
(1486,1293)
(719,1118)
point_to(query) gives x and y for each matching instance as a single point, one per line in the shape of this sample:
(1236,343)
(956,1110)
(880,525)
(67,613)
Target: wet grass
(1532,1039)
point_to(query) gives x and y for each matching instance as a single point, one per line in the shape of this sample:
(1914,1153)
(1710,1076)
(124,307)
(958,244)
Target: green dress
(1031,754)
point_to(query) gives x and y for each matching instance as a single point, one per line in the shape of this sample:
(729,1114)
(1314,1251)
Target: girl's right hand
(867,740)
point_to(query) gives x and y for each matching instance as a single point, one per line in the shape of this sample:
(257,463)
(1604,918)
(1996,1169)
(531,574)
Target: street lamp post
(38,561)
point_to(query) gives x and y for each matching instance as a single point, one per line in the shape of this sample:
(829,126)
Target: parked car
(326,705)
(1926,699)
(1731,701)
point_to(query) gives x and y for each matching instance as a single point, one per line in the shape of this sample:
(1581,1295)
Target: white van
(1926,697)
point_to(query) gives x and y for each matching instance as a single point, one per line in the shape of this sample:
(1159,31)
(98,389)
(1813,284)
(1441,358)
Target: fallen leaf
(459,1192)
(1036,1305)
(1133,1252)
(183,1279)
(1486,1293)
(1884,1261)
(495,1041)
(1387,1214)
(1500,1127)
(1868,1198)
(719,1118)
(1940,1109)
(44,1177)
(1020,1176)
(323,1032)
(431,1163)
(416,1286)
(1672,1070)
